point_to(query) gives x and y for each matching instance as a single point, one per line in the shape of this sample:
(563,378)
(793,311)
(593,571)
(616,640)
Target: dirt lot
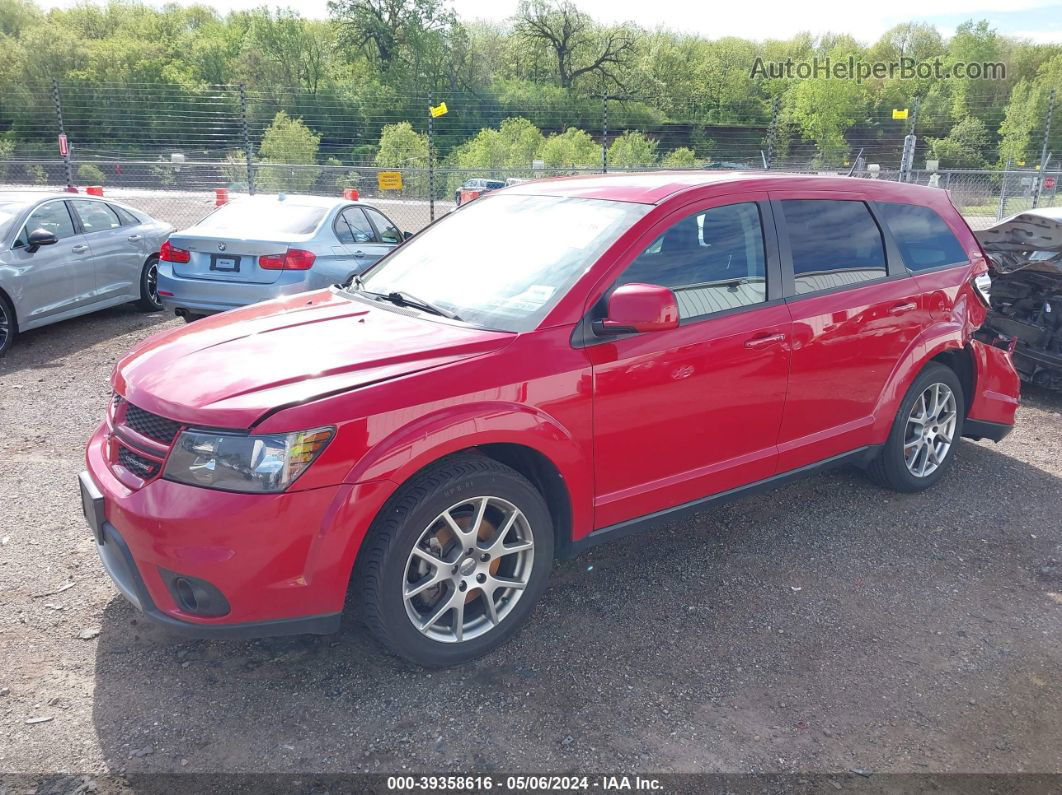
(826,627)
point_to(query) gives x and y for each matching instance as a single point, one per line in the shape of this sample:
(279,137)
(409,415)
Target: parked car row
(557,364)
(61,257)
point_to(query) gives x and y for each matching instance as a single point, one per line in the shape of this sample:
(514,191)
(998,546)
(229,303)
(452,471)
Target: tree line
(531,87)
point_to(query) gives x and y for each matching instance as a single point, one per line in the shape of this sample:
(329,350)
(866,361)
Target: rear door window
(126,217)
(924,238)
(834,243)
(95,216)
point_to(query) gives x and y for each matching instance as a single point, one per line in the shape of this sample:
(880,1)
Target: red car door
(693,411)
(856,310)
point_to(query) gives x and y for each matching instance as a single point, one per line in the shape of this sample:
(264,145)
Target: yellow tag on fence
(899,114)
(389,180)
(438,110)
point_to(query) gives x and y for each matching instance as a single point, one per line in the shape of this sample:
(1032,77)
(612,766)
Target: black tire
(149,281)
(381,572)
(188,317)
(8,325)
(890,468)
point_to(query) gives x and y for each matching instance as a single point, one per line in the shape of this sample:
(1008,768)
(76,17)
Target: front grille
(141,467)
(151,425)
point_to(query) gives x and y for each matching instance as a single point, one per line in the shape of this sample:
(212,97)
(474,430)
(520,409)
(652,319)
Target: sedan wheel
(149,286)
(930,430)
(468,569)
(7,325)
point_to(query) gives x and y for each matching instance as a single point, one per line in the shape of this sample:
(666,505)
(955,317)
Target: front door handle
(134,238)
(360,254)
(900,309)
(764,341)
(80,248)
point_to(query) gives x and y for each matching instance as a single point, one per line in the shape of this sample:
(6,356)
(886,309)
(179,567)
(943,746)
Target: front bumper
(282,562)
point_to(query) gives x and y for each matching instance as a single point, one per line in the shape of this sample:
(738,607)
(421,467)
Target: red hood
(227,371)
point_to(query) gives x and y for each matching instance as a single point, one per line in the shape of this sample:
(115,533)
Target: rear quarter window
(924,238)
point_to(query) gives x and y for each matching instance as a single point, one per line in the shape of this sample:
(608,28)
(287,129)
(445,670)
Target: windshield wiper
(402,298)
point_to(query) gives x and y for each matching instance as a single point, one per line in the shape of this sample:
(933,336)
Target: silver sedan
(263,247)
(62,256)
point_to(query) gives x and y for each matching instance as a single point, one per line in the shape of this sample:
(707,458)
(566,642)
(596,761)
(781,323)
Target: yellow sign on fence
(389,180)
(899,114)
(438,110)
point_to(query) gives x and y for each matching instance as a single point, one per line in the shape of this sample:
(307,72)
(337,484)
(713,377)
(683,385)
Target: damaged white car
(1026,295)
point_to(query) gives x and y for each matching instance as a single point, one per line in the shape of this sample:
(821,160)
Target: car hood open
(229,370)
(1031,240)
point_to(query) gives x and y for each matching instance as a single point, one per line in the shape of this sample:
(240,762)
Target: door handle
(900,309)
(134,238)
(80,248)
(764,341)
(359,253)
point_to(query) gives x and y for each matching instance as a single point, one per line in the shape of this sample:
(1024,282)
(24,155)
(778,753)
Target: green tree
(683,157)
(289,142)
(964,146)
(89,174)
(572,148)
(402,147)
(632,149)
(823,109)
(513,145)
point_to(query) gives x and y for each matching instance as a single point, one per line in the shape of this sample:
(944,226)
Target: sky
(1033,19)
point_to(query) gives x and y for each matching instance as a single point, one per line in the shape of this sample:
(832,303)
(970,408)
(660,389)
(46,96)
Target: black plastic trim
(119,563)
(860,457)
(982,429)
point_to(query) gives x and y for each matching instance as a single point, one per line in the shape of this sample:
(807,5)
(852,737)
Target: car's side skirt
(641,524)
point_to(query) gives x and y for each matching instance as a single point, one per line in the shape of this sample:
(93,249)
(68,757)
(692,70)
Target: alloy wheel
(468,569)
(153,281)
(930,430)
(5,325)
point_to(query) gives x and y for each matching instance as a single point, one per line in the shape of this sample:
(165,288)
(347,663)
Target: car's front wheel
(927,428)
(456,561)
(8,326)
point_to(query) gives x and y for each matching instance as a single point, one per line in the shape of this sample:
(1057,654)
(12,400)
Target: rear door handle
(900,309)
(360,253)
(80,248)
(134,238)
(764,341)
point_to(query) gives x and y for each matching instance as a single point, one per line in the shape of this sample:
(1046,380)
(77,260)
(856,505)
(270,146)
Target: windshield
(504,262)
(279,217)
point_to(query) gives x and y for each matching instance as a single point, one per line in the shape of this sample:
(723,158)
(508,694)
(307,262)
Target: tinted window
(95,216)
(388,232)
(834,243)
(126,217)
(924,238)
(52,217)
(353,227)
(713,260)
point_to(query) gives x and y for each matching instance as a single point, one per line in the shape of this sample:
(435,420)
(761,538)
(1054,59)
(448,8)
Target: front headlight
(238,462)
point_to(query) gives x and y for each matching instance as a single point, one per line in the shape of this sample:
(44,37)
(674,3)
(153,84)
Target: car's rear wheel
(149,286)
(456,561)
(927,428)
(8,326)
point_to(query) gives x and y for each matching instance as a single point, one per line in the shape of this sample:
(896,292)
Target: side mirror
(407,235)
(639,308)
(40,237)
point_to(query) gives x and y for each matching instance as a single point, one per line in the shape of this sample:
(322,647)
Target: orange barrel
(94,190)
(350,193)
(221,196)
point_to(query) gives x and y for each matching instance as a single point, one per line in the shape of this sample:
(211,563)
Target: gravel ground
(825,627)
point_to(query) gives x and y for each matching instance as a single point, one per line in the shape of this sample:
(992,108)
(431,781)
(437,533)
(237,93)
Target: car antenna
(855,162)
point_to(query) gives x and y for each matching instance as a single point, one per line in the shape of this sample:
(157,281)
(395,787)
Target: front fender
(408,449)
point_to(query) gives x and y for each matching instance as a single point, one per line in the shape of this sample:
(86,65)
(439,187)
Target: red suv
(560,363)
